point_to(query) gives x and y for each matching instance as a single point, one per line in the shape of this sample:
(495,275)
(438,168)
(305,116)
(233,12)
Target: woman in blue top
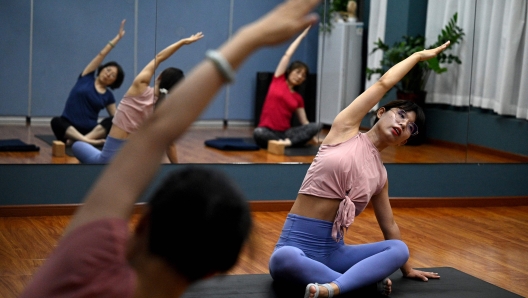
(88,97)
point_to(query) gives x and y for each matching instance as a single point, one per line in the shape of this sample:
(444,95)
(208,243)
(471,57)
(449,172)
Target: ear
(380,112)
(138,241)
(143,223)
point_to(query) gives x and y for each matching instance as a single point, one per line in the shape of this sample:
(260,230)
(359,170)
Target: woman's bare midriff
(117,133)
(315,207)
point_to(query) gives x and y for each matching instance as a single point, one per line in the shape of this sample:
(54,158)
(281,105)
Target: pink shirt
(279,105)
(351,171)
(88,262)
(133,110)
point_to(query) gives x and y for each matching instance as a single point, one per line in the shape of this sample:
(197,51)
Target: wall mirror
(48,44)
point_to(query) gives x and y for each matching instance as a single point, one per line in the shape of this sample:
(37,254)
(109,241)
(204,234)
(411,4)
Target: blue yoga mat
(232,144)
(247,144)
(17,145)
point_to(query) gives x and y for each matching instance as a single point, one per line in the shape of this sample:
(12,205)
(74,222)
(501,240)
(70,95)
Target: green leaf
(415,79)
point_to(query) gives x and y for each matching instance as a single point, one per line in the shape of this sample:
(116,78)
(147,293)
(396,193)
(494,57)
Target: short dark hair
(407,105)
(294,65)
(168,78)
(119,77)
(199,220)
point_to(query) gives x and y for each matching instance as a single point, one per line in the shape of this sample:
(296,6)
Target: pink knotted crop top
(351,171)
(133,110)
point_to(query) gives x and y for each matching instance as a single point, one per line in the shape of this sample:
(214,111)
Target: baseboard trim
(491,151)
(48,210)
(454,202)
(276,206)
(37,121)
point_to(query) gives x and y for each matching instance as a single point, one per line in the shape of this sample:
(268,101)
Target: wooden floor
(489,243)
(191,149)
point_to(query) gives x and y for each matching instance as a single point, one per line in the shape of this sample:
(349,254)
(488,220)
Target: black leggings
(298,135)
(59,125)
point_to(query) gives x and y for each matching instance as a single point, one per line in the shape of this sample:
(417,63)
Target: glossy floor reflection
(191,149)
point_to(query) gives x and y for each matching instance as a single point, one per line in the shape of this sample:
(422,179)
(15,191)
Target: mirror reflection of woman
(137,104)
(90,95)
(346,174)
(282,101)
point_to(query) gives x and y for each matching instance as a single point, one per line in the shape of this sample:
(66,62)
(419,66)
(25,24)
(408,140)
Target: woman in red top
(282,101)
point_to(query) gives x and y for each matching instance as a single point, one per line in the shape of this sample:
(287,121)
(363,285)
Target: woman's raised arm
(285,60)
(347,122)
(142,80)
(97,60)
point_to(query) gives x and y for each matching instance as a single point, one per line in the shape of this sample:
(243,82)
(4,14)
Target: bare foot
(312,291)
(385,287)
(320,290)
(285,142)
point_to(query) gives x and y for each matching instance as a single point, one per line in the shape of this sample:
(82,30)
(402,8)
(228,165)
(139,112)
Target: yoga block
(58,149)
(275,147)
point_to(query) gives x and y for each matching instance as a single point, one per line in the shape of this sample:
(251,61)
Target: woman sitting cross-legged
(91,94)
(346,174)
(283,101)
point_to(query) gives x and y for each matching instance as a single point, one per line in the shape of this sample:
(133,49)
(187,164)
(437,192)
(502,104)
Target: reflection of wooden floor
(191,149)
(488,243)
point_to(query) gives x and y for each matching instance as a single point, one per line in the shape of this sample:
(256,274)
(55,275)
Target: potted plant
(412,85)
(336,9)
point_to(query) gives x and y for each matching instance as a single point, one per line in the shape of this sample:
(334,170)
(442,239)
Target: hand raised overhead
(428,54)
(122,29)
(193,38)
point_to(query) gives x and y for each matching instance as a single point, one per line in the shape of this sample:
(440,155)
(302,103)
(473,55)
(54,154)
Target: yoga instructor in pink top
(345,175)
(137,105)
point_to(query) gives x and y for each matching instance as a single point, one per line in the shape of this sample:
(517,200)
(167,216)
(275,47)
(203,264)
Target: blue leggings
(87,153)
(307,253)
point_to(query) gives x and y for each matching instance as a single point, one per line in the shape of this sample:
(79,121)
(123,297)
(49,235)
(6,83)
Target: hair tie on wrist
(111,44)
(221,64)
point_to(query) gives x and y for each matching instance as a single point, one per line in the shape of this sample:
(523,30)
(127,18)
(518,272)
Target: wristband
(221,65)
(111,44)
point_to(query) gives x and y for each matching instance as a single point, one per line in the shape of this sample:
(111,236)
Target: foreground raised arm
(126,178)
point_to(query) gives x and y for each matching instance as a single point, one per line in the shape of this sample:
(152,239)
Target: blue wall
(405,17)
(67,184)
(14,64)
(66,35)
